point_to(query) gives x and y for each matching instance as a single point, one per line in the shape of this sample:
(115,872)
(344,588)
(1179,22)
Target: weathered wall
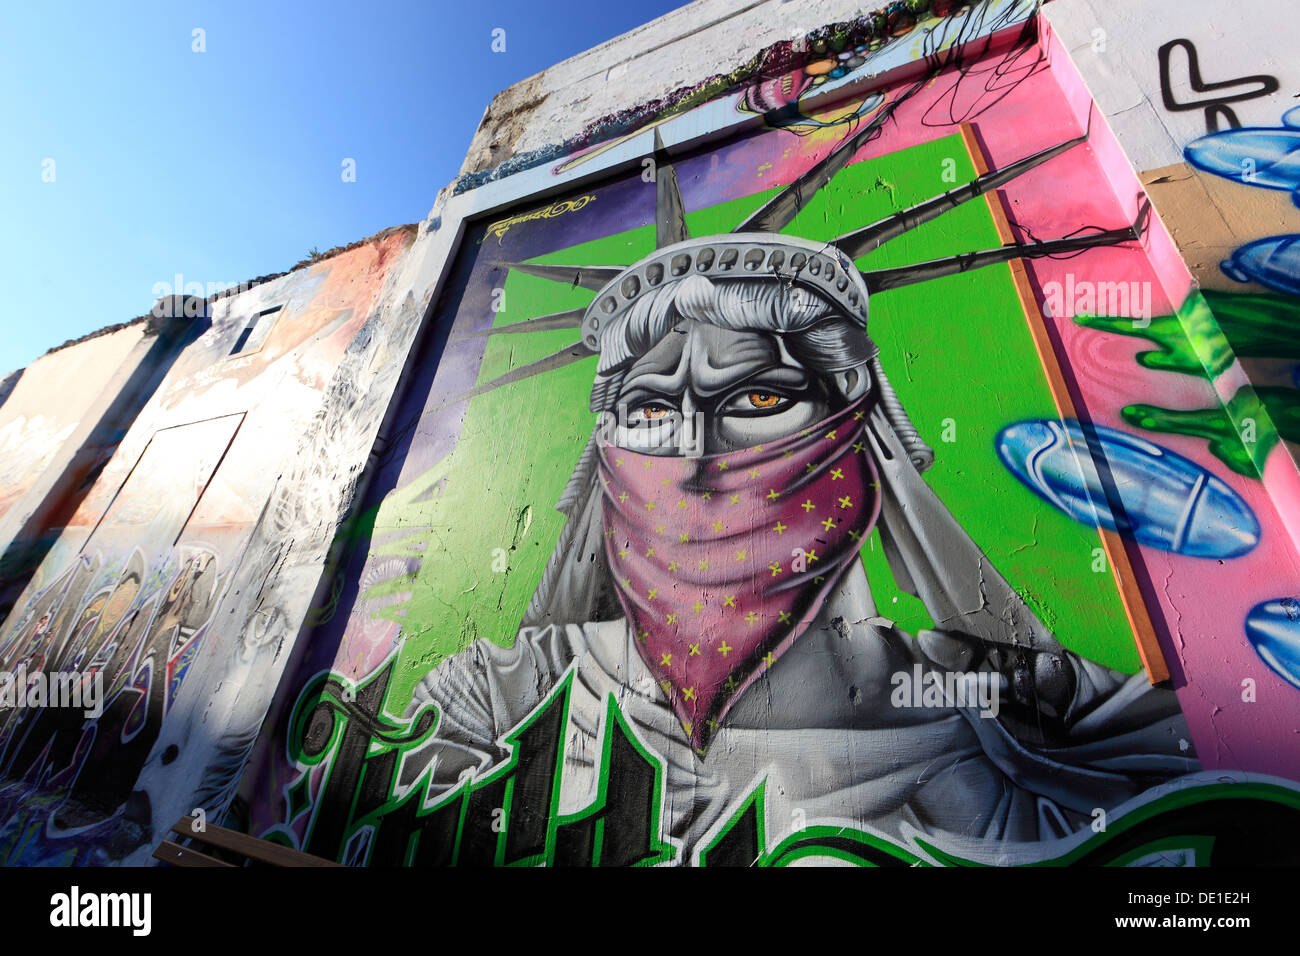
(729,469)
(47,404)
(137,590)
(572,629)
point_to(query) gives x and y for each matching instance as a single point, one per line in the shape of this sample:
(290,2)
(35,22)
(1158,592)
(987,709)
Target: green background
(954,348)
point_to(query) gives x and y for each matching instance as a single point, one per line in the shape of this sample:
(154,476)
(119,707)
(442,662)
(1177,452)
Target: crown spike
(571,319)
(588,277)
(775,214)
(869,238)
(881,280)
(556,360)
(670,210)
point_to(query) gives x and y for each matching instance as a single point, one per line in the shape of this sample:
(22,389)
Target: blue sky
(226,164)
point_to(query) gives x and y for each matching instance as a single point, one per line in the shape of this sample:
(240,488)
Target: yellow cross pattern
(742,554)
(648,463)
(666,659)
(846,502)
(837,474)
(784,617)
(666,481)
(831,434)
(780,528)
(654,593)
(811,466)
(753,473)
(717,526)
(688,694)
(623,497)
(695,651)
(650,553)
(859,446)
(642,636)
(704,564)
(751,617)
(768,659)
(857,416)
(829,523)
(627,582)
(659,529)
(684,537)
(722,466)
(649,506)
(775,568)
(724,648)
(672,619)
(807,506)
(697,607)
(730,601)
(618,462)
(712,725)
(812,556)
(682,503)
(735,499)
(623,553)
(673,565)
(855,535)
(772,495)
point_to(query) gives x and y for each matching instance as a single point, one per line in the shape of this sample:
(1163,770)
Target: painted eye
(653,411)
(764,399)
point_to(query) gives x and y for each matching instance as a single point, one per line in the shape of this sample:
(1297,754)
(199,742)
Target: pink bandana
(721,562)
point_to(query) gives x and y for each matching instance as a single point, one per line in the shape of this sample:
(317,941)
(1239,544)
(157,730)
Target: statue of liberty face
(707,390)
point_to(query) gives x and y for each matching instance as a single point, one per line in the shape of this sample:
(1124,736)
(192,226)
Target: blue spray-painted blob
(1268,158)
(1273,629)
(1273,262)
(1168,502)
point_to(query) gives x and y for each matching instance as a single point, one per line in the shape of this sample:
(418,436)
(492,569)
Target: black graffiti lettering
(629,815)
(1215,106)
(506,818)
(334,812)
(739,843)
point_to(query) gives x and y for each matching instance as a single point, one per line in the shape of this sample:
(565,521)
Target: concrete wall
(38,418)
(540,653)
(158,581)
(547,533)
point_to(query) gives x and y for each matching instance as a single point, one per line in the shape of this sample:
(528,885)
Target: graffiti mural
(739,524)
(129,593)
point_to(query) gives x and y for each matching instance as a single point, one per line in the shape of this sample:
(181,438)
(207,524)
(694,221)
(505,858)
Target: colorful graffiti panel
(737,520)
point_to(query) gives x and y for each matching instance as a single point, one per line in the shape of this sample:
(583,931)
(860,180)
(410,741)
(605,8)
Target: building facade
(800,435)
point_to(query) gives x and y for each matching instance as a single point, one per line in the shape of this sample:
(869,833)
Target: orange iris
(763,399)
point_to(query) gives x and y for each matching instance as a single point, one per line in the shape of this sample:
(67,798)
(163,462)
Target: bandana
(722,561)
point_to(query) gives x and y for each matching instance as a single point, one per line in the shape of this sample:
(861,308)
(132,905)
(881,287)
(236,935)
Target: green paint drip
(1263,325)
(1191,342)
(1253,413)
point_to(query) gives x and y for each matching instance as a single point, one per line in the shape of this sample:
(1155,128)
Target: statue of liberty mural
(708,577)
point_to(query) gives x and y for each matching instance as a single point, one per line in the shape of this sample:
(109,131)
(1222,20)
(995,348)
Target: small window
(254,333)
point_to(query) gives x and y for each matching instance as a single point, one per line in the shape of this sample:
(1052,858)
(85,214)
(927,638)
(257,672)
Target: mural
(717,557)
